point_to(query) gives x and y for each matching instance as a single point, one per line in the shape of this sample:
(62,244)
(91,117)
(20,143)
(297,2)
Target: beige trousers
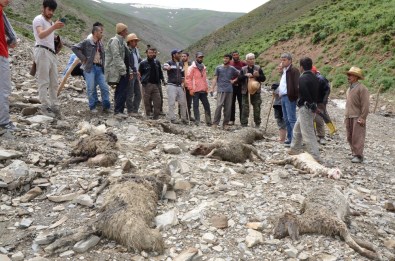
(47,76)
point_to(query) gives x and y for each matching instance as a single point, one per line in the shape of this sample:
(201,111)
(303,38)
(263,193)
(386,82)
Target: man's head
(151,52)
(185,57)
(121,29)
(286,59)
(227,58)
(306,64)
(354,74)
(176,54)
(4,3)
(132,40)
(98,24)
(49,7)
(199,57)
(235,56)
(97,32)
(250,59)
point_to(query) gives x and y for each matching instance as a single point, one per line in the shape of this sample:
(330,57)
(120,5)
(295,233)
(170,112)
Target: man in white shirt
(45,58)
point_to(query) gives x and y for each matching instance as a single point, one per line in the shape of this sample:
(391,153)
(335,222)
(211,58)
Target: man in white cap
(357,110)
(117,69)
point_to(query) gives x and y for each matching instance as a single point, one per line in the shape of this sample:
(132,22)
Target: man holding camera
(307,104)
(45,58)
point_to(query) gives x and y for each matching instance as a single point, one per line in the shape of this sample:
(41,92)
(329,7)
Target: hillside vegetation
(166,29)
(336,34)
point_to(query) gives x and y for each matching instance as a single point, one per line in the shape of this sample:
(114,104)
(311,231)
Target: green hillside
(345,33)
(164,28)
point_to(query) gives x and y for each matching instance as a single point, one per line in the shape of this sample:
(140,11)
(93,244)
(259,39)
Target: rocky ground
(215,210)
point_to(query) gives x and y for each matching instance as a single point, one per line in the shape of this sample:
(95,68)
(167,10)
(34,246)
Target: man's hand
(58,25)
(361,122)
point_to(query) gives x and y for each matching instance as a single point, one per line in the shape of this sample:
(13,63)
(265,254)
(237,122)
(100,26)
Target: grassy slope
(347,33)
(150,24)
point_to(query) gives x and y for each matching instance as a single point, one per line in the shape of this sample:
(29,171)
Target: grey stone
(9,154)
(171,149)
(167,220)
(4,258)
(83,245)
(25,223)
(18,256)
(40,119)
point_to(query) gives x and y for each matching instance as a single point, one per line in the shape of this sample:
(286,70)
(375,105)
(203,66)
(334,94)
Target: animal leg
(354,245)
(210,155)
(253,151)
(365,244)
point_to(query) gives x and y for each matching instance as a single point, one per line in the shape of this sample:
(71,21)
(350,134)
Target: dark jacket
(145,70)
(86,51)
(308,89)
(324,89)
(292,77)
(243,79)
(176,74)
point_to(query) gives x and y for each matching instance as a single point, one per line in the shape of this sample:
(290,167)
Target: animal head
(334,173)
(287,225)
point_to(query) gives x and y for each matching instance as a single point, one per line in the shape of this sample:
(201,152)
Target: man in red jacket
(5,73)
(196,82)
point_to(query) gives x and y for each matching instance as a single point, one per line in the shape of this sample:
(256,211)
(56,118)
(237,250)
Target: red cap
(314,69)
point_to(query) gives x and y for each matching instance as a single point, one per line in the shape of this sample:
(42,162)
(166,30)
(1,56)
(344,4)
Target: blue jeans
(93,78)
(289,114)
(120,94)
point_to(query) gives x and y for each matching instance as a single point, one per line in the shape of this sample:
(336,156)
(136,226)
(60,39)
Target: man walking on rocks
(225,75)
(91,54)
(357,110)
(196,80)
(288,92)
(45,58)
(307,104)
(7,39)
(117,68)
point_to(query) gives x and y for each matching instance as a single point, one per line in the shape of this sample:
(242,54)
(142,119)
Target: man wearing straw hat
(357,110)
(250,78)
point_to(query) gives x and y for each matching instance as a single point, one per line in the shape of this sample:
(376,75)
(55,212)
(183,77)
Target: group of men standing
(119,63)
(307,90)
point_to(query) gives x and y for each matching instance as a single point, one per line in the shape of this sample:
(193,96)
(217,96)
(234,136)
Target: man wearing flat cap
(357,110)
(117,69)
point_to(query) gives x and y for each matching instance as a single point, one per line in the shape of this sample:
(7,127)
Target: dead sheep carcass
(128,211)
(325,211)
(237,147)
(306,163)
(98,149)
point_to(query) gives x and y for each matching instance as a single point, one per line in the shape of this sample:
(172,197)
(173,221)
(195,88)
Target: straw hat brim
(355,74)
(253,86)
